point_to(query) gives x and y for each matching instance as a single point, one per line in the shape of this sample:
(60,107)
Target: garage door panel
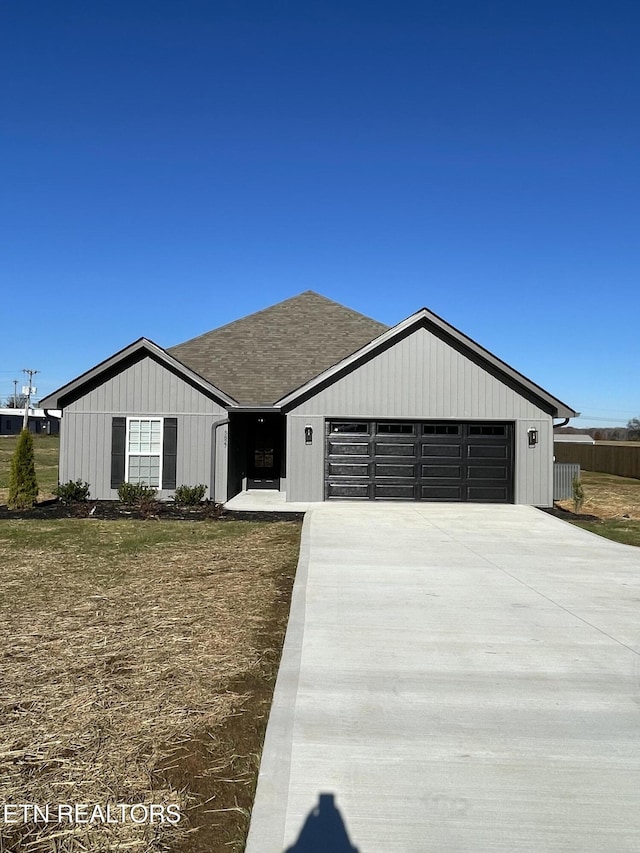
(430,461)
(486,472)
(451,451)
(341,469)
(478,451)
(440,493)
(385,469)
(349,490)
(487,493)
(441,472)
(391,491)
(342,448)
(400,449)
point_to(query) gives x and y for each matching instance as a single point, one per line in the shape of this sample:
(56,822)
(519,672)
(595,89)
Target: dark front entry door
(264,448)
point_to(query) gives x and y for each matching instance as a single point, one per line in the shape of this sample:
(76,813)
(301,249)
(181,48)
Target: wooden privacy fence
(563,474)
(620,459)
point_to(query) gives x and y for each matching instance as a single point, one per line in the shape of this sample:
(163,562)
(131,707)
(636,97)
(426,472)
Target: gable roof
(138,349)
(265,356)
(285,354)
(455,338)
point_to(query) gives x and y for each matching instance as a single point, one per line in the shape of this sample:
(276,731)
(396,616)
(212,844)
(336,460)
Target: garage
(419,460)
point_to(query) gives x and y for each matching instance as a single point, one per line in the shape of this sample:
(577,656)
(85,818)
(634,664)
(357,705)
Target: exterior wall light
(308,434)
(533,437)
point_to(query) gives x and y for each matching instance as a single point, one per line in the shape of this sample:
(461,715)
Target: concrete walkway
(455,678)
(264,500)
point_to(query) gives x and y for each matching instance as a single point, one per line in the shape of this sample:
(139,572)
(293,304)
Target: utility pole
(15,393)
(28,390)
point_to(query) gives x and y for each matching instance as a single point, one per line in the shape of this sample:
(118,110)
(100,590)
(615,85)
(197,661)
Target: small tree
(23,485)
(578,494)
(634,429)
(17,402)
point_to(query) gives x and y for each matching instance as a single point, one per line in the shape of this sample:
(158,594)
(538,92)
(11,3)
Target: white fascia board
(33,413)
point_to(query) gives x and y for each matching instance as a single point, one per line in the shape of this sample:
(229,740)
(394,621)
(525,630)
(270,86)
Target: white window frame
(129,454)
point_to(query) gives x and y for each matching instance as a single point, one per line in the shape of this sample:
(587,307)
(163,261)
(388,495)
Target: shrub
(136,494)
(190,495)
(73,492)
(23,485)
(578,494)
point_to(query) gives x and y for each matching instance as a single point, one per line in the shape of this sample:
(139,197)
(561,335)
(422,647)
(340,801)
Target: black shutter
(118,445)
(169,452)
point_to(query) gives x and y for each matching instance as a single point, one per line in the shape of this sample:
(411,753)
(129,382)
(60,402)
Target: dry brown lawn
(615,502)
(138,662)
(609,496)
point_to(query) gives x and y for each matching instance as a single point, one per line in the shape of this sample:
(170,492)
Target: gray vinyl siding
(146,389)
(305,462)
(421,377)
(534,465)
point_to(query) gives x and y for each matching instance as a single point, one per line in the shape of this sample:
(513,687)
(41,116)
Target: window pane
(145,447)
(156,436)
(134,435)
(145,435)
(145,469)
(441,429)
(396,429)
(486,429)
(351,427)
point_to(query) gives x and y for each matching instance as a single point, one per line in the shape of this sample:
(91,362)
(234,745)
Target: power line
(602,418)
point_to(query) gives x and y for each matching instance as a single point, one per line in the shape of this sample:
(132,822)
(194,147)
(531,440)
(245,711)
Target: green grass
(107,541)
(624,530)
(46,449)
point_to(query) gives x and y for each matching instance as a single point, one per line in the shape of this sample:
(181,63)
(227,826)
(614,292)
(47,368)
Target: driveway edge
(268,816)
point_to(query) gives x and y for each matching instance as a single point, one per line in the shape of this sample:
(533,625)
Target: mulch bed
(568,515)
(158,511)
(206,511)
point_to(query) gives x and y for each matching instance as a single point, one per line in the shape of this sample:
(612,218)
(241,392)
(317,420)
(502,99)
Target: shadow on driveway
(323,830)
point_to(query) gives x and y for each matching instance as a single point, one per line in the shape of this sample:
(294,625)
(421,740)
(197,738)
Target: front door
(264,449)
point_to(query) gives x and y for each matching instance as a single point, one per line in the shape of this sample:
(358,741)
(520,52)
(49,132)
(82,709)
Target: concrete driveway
(455,678)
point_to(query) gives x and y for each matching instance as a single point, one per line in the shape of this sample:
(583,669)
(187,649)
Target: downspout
(46,414)
(214,444)
(565,421)
(561,424)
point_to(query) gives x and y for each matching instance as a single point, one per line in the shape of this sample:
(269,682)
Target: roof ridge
(231,322)
(255,314)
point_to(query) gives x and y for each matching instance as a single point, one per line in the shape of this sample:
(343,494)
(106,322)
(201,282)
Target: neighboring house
(318,401)
(40,422)
(573,438)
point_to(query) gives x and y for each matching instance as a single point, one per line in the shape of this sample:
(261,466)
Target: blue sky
(168,167)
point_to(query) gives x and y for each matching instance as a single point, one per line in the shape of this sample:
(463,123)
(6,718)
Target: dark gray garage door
(419,460)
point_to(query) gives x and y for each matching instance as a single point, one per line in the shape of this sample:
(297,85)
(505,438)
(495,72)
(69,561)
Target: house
(573,438)
(39,421)
(318,401)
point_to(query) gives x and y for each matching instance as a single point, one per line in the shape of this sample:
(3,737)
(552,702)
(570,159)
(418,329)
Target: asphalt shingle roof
(260,358)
